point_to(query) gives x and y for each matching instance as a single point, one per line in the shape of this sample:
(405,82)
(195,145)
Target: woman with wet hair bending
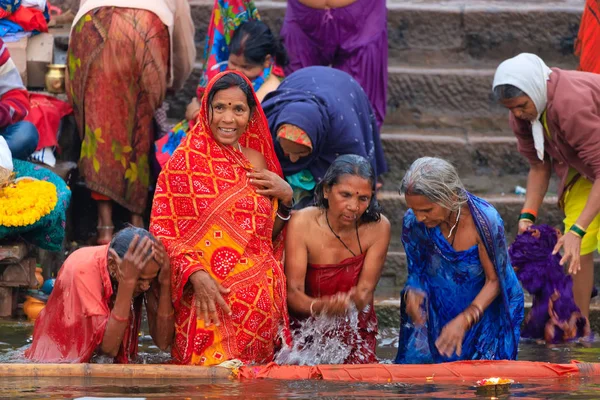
(95,308)
(335,252)
(462,300)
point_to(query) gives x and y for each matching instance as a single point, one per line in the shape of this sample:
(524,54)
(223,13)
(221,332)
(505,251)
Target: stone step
(455,31)
(456,98)
(471,154)
(445,32)
(442,54)
(418,97)
(448,31)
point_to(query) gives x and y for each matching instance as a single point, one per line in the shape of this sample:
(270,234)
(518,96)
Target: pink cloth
(71,326)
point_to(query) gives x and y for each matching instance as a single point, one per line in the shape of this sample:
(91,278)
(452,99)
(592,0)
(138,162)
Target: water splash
(325,340)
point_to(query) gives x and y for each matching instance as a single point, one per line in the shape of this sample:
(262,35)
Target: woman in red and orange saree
(222,233)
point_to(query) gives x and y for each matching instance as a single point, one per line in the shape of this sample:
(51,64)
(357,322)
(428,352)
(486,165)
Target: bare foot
(137,220)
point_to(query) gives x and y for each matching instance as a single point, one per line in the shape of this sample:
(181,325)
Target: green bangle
(578,230)
(527,216)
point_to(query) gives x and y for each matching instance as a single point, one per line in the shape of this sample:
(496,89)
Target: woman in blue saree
(462,299)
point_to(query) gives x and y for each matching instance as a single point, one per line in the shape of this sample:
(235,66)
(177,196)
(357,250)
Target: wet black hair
(507,92)
(232,80)
(122,239)
(255,41)
(350,164)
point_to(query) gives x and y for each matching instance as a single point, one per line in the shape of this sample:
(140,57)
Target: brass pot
(32,307)
(55,78)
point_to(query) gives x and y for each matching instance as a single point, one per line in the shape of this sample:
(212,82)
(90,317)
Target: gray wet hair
(437,180)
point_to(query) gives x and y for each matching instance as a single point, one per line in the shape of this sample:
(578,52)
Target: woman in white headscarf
(555,115)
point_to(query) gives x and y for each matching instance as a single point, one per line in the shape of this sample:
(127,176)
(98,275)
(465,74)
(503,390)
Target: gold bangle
(469,320)
(479,311)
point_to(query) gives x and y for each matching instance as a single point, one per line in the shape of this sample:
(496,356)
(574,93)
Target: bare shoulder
(303,218)
(374,231)
(255,158)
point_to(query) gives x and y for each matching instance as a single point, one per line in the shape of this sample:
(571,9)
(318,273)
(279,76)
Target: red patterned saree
(210,218)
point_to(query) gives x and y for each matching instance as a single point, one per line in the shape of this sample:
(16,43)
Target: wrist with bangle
(472,314)
(117,318)
(284,212)
(577,230)
(528,214)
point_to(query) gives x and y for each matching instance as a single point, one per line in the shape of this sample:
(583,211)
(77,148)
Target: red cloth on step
(46,113)
(29,19)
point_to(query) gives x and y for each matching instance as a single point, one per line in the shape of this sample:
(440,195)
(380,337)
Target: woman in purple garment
(350,35)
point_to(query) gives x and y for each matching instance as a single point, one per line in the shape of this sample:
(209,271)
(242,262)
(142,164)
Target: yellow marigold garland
(26,202)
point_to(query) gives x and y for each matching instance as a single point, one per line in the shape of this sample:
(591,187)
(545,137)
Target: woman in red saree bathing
(219,208)
(95,308)
(347,222)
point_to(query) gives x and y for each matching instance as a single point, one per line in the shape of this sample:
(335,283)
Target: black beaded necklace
(340,239)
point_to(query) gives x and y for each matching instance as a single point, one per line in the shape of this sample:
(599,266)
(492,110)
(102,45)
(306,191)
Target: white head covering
(529,73)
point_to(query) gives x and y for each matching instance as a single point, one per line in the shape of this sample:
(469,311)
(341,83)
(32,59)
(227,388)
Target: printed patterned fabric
(8,7)
(294,134)
(210,218)
(115,89)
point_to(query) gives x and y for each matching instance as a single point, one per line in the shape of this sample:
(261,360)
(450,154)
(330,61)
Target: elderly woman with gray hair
(462,299)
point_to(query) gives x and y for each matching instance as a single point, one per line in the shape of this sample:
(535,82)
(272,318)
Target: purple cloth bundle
(544,278)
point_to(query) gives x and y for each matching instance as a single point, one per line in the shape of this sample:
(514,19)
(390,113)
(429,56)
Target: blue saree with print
(451,280)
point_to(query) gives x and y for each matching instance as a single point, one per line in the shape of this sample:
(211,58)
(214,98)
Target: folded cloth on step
(8,27)
(49,231)
(15,37)
(46,113)
(30,19)
(36,4)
